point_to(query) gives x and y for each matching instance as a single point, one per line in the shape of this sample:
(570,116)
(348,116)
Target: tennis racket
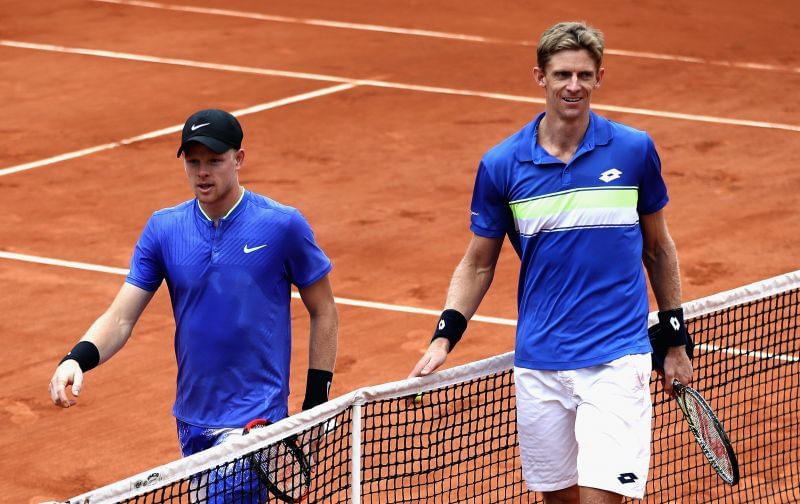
(282,467)
(708,432)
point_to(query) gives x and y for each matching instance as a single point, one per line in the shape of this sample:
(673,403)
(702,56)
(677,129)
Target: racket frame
(290,443)
(680,393)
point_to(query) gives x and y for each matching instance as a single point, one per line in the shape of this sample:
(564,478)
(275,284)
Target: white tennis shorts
(588,426)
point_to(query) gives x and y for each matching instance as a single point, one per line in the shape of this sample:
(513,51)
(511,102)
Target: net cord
(740,295)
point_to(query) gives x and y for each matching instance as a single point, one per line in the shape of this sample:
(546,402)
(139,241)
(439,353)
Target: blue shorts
(235,481)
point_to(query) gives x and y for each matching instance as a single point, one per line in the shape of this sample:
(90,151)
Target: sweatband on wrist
(318,386)
(673,330)
(451,326)
(85,353)
(663,337)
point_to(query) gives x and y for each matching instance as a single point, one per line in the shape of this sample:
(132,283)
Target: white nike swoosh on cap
(198,126)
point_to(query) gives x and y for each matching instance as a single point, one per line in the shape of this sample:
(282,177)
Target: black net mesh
(459,443)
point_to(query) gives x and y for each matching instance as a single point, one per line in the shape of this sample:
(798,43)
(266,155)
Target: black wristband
(451,326)
(318,386)
(85,353)
(663,336)
(673,330)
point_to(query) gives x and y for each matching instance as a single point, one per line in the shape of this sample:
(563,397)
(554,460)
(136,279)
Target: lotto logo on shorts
(627,478)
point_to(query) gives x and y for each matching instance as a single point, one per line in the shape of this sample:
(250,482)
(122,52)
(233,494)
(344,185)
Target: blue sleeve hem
(316,278)
(487,233)
(656,207)
(142,285)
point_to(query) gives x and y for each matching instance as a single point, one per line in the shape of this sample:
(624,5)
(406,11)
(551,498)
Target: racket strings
(707,431)
(281,468)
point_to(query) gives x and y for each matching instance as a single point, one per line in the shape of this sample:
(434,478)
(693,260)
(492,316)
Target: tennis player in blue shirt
(581,199)
(229,258)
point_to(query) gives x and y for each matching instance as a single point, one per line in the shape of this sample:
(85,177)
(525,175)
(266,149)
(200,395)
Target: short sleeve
(306,263)
(652,189)
(490,214)
(146,267)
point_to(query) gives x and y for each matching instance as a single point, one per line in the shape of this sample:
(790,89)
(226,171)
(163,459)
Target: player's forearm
(468,286)
(113,328)
(108,333)
(321,353)
(323,339)
(661,262)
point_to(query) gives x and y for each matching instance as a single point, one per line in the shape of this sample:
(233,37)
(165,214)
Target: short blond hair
(570,35)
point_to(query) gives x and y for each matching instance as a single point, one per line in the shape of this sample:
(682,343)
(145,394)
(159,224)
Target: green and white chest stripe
(576,209)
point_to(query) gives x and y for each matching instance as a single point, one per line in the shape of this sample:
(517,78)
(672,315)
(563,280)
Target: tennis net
(458,442)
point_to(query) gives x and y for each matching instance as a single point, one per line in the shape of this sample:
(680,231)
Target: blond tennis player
(581,199)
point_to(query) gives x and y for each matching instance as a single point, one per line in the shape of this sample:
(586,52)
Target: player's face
(214,178)
(568,80)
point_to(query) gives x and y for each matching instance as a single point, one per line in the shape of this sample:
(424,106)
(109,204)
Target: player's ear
(600,72)
(239,156)
(539,77)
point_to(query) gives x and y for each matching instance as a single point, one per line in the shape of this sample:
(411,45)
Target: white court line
(308,21)
(370,304)
(595,106)
(739,353)
(174,129)
(383,84)
(339,300)
(436,34)
(346,80)
(691,59)
(13,256)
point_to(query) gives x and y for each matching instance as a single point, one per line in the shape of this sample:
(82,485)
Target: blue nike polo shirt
(582,294)
(230,288)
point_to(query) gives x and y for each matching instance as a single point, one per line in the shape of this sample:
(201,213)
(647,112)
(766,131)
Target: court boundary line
(176,128)
(344,81)
(694,309)
(394,30)
(49,261)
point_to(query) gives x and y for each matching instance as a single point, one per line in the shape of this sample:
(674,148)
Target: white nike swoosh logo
(248,250)
(198,126)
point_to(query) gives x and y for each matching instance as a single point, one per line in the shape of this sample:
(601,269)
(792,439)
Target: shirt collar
(230,213)
(598,132)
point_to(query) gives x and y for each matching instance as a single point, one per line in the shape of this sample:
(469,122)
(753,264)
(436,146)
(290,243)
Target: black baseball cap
(216,129)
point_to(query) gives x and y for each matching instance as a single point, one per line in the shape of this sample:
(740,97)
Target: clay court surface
(382,168)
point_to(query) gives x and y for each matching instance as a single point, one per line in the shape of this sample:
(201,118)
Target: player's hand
(433,358)
(677,365)
(309,442)
(67,373)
